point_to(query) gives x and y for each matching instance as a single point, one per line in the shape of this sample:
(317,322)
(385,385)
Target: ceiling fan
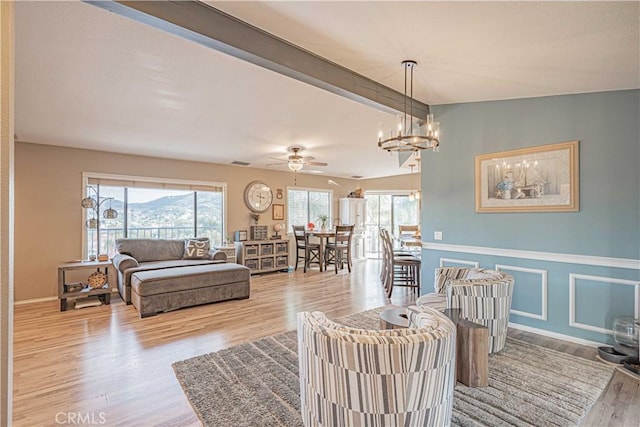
(295,161)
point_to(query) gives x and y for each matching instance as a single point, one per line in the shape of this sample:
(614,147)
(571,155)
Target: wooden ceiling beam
(220,31)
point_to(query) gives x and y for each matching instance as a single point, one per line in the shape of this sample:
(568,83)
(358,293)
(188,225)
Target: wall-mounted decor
(258,196)
(534,179)
(279,193)
(278,212)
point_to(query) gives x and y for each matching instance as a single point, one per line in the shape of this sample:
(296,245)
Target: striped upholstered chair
(483,296)
(357,377)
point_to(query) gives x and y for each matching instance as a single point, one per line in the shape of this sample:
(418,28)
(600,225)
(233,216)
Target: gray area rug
(256,384)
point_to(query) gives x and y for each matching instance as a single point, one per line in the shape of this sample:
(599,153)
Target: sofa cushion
(196,249)
(154,282)
(157,265)
(144,250)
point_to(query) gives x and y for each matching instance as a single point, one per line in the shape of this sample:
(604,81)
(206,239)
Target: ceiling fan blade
(273,165)
(278,159)
(316,163)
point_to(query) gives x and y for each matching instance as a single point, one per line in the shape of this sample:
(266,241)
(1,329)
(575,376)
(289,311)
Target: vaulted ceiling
(92,79)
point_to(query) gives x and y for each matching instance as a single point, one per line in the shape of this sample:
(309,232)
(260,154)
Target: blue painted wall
(607,124)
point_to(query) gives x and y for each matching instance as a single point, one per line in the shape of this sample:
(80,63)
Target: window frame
(155,180)
(308,189)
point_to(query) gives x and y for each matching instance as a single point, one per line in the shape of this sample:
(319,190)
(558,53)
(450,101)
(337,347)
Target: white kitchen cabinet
(352,211)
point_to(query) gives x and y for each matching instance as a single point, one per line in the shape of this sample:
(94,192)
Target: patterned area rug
(256,384)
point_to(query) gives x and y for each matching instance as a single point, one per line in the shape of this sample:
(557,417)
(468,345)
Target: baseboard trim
(47,299)
(626,263)
(34,300)
(556,335)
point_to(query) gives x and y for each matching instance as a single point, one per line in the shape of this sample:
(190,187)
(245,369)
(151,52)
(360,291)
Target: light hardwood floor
(108,363)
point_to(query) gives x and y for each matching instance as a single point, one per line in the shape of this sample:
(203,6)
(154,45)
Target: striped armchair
(351,377)
(483,296)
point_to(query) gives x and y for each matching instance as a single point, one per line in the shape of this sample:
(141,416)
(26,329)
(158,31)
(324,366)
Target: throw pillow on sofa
(196,249)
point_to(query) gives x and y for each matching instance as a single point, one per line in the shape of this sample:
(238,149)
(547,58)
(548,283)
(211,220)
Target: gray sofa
(160,275)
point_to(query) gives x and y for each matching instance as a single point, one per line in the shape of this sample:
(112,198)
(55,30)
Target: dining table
(324,238)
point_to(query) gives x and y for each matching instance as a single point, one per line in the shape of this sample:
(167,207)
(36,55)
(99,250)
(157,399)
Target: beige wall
(392,183)
(7,62)
(49,190)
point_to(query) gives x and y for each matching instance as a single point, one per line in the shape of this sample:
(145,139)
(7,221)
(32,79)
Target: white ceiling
(91,79)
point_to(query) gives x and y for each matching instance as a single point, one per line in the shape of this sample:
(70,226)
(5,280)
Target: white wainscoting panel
(543,289)
(474,264)
(631,264)
(609,280)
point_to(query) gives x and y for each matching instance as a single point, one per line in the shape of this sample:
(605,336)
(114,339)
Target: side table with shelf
(103,293)
(262,256)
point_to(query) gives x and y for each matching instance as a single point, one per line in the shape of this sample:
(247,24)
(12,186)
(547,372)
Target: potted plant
(324,219)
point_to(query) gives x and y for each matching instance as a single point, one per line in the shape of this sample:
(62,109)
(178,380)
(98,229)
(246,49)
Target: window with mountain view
(306,205)
(153,213)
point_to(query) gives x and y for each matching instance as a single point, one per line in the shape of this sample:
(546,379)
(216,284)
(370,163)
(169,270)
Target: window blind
(141,183)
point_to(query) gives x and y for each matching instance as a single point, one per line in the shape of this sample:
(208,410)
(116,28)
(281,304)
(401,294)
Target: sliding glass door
(387,210)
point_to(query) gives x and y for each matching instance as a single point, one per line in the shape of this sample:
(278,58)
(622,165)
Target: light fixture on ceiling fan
(410,136)
(295,162)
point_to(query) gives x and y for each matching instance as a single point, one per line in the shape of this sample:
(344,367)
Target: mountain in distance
(166,211)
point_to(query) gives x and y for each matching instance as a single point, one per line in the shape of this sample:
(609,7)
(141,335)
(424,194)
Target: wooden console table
(472,345)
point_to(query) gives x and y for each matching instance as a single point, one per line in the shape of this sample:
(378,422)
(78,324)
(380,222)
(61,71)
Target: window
(306,205)
(387,210)
(151,209)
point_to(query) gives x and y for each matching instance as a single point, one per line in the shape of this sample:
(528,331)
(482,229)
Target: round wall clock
(258,196)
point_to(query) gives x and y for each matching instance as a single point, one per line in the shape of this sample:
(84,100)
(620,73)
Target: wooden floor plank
(106,360)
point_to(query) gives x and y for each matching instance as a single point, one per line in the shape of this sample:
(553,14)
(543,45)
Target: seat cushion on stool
(154,282)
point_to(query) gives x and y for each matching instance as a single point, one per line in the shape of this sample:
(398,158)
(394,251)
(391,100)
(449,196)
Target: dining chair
(396,252)
(398,269)
(407,235)
(408,229)
(310,251)
(338,248)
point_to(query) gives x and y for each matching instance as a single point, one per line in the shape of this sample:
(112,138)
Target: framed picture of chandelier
(535,179)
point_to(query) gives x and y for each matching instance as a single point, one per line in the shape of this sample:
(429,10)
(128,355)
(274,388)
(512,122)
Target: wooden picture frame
(535,179)
(277,212)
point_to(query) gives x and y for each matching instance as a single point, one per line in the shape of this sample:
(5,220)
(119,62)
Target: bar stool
(398,270)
